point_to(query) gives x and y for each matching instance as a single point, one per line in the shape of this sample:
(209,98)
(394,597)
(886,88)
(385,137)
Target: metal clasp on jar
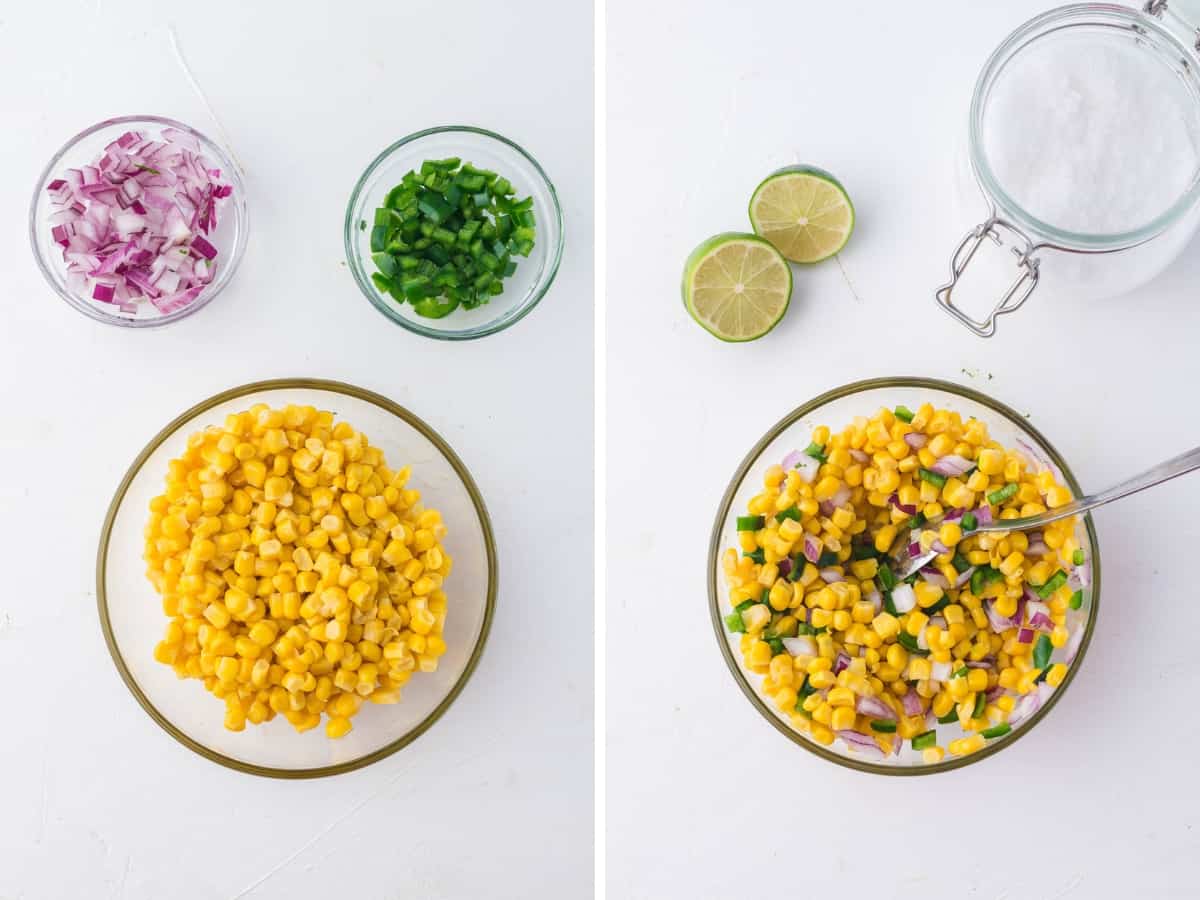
(997,230)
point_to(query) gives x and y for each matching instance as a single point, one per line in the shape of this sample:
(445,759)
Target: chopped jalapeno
(887,579)
(883,725)
(449,228)
(1041,651)
(932,477)
(960,563)
(903,413)
(776,645)
(889,605)
(1078,557)
(998,730)
(828,558)
(909,643)
(790,513)
(1057,580)
(757,555)
(924,740)
(949,717)
(969,522)
(962,673)
(734,622)
(750,523)
(816,451)
(1076,600)
(1001,494)
(980,705)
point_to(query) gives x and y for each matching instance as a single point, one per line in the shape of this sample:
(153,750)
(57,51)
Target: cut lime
(804,212)
(737,286)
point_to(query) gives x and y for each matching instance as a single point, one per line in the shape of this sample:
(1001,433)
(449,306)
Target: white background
(706,800)
(495,800)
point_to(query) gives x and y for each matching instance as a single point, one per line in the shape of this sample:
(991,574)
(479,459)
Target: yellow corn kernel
(1055,676)
(932,755)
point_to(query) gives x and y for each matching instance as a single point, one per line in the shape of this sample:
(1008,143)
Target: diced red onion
(911,703)
(812,548)
(842,497)
(915,439)
(792,460)
(1025,636)
(800,646)
(1037,548)
(875,708)
(986,663)
(954,515)
(993,693)
(964,576)
(998,622)
(858,456)
(831,575)
(952,465)
(939,671)
(904,598)
(909,509)
(935,578)
(840,663)
(826,507)
(876,600)
(983,515)
(871,750)
(785,567)
(134,223)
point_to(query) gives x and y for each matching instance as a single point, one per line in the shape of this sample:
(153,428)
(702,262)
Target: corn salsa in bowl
(822,630)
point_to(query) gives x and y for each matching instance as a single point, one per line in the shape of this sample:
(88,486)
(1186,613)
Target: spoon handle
(1165,471)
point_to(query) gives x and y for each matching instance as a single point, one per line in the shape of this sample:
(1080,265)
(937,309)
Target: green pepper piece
(932,477)
(1001,494)
(1057,580)
(434,307)
(883,726)
(826,559)
(1041,651)
(998,730)
(980,705)
(903,413)
(1076,600)
(734,622)
(924,740)
(379,237)
(909,643)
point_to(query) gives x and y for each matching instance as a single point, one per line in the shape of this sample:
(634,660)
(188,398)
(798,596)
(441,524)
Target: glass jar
(1060,256)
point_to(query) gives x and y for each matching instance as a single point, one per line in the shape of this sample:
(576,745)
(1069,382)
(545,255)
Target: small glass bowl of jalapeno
(454,232)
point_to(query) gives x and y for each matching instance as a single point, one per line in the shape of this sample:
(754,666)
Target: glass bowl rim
(238,250)
(714,551)
(1052,21)
(348,390)
(362,279)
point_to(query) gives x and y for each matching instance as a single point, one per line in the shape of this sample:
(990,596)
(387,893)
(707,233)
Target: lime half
(737,286)
(804,211)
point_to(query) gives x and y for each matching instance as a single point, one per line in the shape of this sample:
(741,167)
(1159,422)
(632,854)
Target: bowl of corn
(296,578)
(894,675)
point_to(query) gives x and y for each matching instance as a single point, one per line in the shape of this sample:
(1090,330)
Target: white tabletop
(495,800)
(706,800)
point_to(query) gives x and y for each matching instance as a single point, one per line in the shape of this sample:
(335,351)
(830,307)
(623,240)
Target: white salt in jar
(1085,144)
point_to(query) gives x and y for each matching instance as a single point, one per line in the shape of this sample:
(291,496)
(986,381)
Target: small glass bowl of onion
(139,221)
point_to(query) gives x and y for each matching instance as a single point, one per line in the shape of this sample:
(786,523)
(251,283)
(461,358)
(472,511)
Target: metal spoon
(1172,468)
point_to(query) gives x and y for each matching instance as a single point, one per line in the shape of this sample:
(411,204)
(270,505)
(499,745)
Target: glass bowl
(835,409)
(229,237)
(131,612)
(484,149)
